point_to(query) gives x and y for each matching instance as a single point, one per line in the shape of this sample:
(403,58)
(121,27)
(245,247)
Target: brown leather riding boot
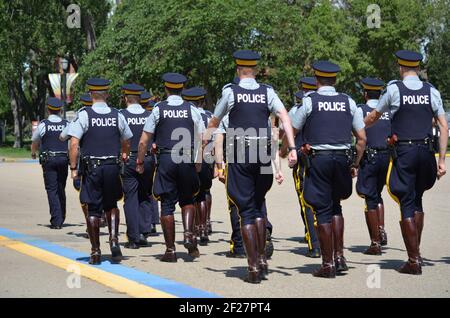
(372,225)
(325,233)
(338,240)
(93,227)
(197,219)
(261,229)
(383,234)
(168,227)
(250,237)
(84,208)
(190,241)
(204,239)
(419,219)
(113,219)
(208,217)
(410,237)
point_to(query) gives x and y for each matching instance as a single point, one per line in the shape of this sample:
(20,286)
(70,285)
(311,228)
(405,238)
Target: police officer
(197,96)
(149,225)
(249,170)
(412,170)
(136,187)
(86,101)
(327,119)
(374,166)
(54,160)
(236,243)
(307,85)
(176,125)
(100,131)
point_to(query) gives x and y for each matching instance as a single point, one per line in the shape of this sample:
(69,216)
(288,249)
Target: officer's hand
(33,156)
(140,169)
(292,158)
(74,174)
(198,167)
(279,177)
(441,170)
(354,172)
(221,176)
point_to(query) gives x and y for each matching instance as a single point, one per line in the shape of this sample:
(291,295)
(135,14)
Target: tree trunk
(15,107)
(89,29)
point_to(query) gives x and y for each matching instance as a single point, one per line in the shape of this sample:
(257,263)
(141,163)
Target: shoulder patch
(229,85)
(392,82)
(266,85)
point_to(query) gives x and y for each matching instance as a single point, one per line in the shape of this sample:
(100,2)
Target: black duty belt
(181,152)
(377,151)
(425,141)
(102,161)
(340,152)
(55,153)
(134,154)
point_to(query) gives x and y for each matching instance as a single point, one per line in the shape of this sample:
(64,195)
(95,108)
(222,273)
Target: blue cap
(145,97)
(372,84)
(299,95)
(54,103)
(408,58)
(194,93)
(98,84)
(86,99)
(132,89)
(325,69)
(174,80)
(307,82)
(246,58)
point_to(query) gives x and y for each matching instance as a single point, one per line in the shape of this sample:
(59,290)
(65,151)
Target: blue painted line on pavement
(153,281)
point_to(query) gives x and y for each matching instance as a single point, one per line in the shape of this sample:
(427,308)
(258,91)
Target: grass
(10,152)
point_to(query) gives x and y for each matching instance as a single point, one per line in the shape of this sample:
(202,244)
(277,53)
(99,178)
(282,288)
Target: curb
(17,160)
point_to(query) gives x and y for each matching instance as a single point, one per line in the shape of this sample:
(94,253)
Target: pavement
(39,262)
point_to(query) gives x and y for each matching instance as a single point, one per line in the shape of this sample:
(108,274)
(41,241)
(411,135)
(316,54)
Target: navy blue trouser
(174,182)
(205,176)
(306,213)
(101,188)
(137,204)
(327,183)
(55,172)
(247,185)
(236,235)
(410,176)
(372,178)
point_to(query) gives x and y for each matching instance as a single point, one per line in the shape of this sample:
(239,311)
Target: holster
(392,146)
(43,158)
(305,158)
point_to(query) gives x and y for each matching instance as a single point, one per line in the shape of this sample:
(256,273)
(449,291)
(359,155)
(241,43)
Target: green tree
(33,34)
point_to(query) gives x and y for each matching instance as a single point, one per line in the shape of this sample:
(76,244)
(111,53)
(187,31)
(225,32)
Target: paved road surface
(23,208)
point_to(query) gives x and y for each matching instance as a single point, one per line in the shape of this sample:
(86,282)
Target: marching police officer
(249,171)
(197,96)
(374,166)
(54,160)
(327,119)
(236,243)
(149,224)
(306,84)
(100,131)
(176,125)
(136,187)
(412,170)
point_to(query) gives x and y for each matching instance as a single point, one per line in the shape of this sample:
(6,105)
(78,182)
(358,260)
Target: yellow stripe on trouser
(388,179)
(113,281)
(228,196)
(304,206)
